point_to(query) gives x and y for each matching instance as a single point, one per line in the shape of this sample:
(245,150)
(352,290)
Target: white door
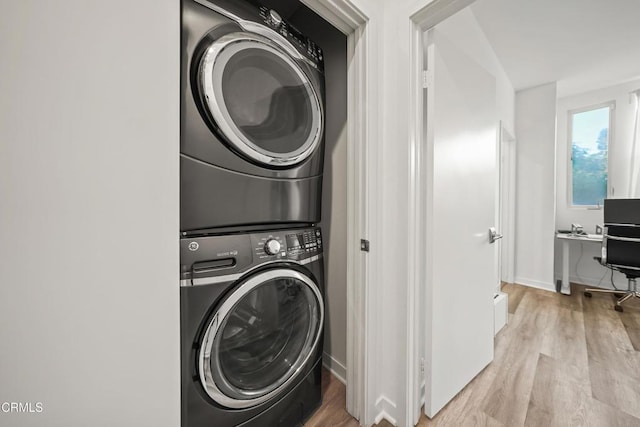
(461,167)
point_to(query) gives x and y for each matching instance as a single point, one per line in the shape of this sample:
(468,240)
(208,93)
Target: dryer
(252,312)
(252,118)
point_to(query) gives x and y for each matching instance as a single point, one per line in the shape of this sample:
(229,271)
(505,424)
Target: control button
(272,247)
(275,17)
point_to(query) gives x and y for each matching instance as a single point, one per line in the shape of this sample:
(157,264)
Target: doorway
(459,163)
(506,204)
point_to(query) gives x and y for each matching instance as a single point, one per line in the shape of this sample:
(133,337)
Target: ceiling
(581,44)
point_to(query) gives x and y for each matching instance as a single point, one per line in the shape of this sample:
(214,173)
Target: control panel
(271,245)
(307,241)
(306,46)
(218,255)
(290,244)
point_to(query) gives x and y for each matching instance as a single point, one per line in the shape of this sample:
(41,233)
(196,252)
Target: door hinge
(364,245)
(426,79)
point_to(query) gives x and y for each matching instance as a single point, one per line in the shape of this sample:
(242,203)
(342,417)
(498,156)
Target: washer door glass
(261,337)
(260,99)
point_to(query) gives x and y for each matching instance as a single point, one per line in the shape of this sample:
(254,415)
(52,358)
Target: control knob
(272,247)
(275,17)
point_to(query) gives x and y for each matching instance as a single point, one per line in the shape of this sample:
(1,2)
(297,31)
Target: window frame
(610,138)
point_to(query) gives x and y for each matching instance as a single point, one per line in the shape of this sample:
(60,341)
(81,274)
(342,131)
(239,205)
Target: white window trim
(611,133)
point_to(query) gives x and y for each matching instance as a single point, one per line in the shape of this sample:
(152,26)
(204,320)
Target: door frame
(420,199)
(363,25)
(507,197)
(362,28)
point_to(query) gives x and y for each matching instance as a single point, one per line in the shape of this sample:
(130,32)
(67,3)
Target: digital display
(295,33)
(294,241)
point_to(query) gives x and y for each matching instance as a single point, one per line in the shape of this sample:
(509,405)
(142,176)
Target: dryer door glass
(263,334)
(261,99)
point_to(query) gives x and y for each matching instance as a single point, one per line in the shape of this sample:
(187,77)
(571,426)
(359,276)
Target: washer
(252,313)
(252,118)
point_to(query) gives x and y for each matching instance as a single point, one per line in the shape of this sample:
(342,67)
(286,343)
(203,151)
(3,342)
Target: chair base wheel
(618,308)
(588,294)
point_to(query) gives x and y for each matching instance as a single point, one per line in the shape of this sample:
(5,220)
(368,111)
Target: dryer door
(260,338)
(260,99)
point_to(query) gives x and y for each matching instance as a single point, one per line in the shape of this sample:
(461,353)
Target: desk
(566,239)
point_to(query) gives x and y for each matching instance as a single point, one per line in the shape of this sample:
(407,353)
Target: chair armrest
(623,239)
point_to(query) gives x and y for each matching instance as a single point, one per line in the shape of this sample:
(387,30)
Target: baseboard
(335,367)
(385,409)
(596,282)
(536,284)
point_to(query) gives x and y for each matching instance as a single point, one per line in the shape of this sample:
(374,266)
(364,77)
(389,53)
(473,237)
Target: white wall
(392,272)
(583,269)
(535,125)
(89,131)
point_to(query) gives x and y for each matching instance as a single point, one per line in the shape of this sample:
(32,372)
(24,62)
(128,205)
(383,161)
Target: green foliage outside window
(590,158)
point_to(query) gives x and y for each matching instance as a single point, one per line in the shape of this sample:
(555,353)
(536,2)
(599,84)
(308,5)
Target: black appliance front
(252,118)
(251,328)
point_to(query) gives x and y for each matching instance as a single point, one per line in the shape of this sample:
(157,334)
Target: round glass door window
(260,99)
(260,338)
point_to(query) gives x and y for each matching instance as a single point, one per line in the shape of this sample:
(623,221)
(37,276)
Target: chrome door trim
(203,281)
(220,113)
(276,37)
(218,9)
(204,354)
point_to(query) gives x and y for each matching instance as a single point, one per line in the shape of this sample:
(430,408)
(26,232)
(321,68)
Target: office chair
(621,246)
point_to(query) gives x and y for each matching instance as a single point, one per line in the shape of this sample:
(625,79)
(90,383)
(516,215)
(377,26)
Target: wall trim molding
(342,14)
(363,108)
(385,408)
(597,282)
(335,367)
(535,284)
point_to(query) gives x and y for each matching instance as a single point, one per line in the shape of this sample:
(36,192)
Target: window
(589,137)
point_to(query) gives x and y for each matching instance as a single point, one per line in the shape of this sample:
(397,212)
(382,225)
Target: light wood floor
(334,402)
(561,361)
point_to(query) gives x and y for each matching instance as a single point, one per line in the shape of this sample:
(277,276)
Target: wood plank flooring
(561,361)
(334,402)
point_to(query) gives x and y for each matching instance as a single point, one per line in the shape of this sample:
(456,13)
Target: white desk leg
(566,287)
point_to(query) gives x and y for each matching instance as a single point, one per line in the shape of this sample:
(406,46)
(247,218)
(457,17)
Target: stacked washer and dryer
(251,160)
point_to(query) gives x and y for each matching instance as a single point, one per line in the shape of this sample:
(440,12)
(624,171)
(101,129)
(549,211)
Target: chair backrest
(621,245)
(622,211)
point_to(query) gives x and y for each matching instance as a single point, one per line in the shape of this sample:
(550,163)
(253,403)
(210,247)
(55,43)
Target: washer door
(260,338)
(260,99)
